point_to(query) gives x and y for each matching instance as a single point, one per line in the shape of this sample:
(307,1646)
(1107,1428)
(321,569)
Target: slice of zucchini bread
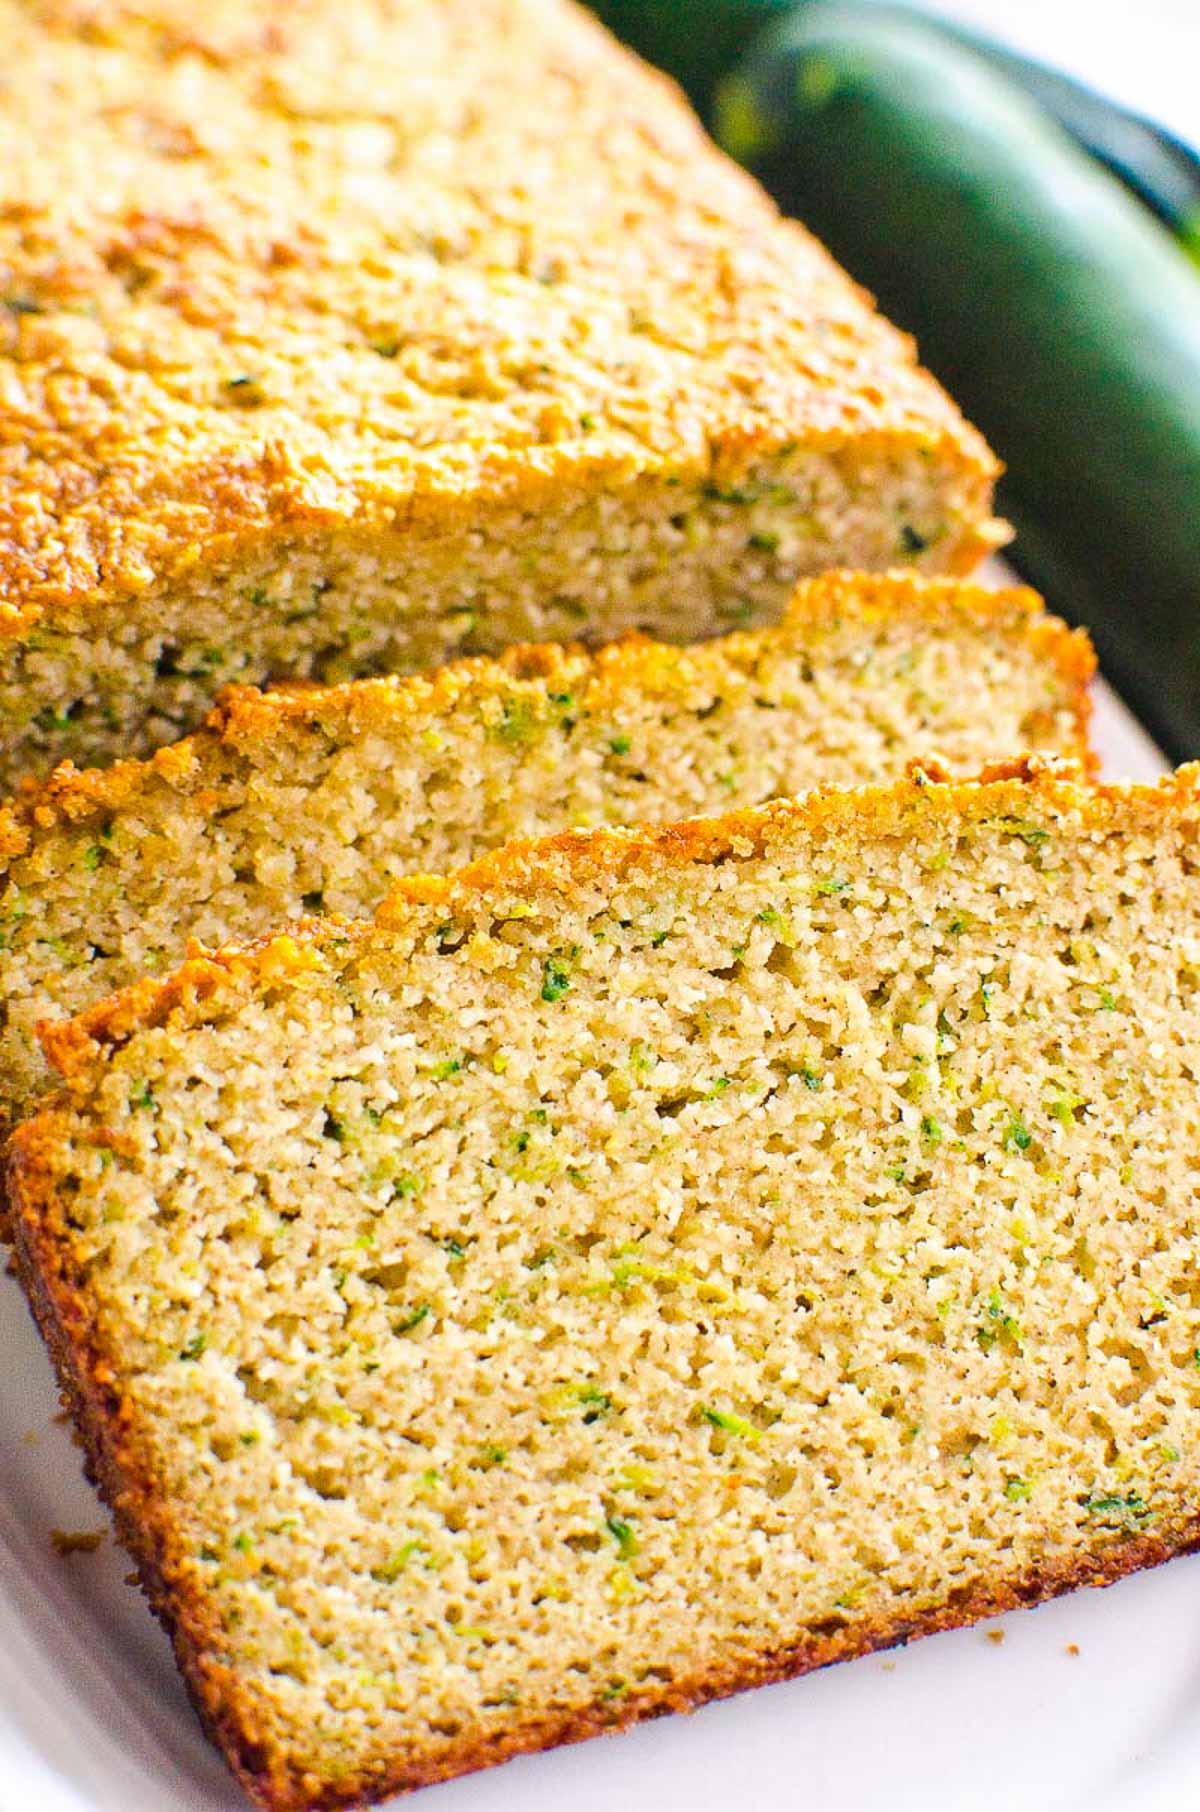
(348,337)
(317,800)
(641,1266)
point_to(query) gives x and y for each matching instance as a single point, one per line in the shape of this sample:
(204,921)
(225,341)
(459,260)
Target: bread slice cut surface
(343,338)
(318,800)
(642,1266)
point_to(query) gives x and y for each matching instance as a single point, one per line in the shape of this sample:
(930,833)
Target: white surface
(1146,54)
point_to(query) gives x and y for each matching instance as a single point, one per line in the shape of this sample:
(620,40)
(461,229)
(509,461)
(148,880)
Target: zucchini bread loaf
(314,800)
(641,1266)
(348,336)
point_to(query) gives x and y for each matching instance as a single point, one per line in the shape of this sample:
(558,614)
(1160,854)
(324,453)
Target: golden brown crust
(246,717)
(547,868)
(91,1392)
(268,273)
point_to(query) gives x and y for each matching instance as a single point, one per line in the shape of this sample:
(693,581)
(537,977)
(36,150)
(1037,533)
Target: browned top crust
(541,871)
(311,263)
(246,718)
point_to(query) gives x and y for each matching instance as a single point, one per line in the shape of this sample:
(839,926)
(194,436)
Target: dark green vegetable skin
(696,41)
(1160,168)
(1060,314)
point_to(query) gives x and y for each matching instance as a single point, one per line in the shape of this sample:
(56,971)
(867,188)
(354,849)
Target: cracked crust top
(267,270)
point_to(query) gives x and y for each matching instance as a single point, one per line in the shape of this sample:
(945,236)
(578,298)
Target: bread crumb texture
(316,801)
(67,1542)
(344,336)
(640,1267)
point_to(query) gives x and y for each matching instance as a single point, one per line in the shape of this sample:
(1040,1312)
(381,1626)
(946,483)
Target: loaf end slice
(320,799)
(339,340)
(642,1266)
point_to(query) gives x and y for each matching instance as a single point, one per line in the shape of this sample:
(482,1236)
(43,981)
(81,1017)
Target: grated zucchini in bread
(351,336)
(641,1266)
(318,800)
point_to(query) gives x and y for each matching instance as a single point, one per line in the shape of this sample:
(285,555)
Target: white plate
(1007,1715)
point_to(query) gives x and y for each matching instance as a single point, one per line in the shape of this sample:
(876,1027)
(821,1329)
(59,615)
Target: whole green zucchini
(1064,319)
